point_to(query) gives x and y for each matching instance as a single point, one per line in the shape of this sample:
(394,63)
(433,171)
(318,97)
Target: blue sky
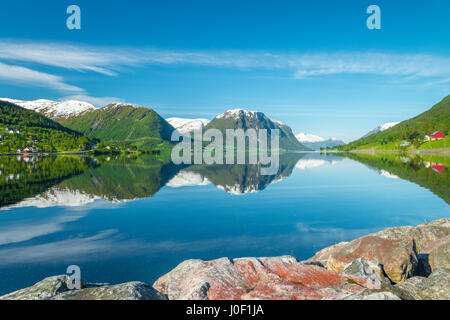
(313,65)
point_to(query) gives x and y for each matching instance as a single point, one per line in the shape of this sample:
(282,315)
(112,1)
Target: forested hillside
(124,123)
(21,128)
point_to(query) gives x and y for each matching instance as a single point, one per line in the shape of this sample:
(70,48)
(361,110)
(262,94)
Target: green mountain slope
(244,119)
(121,122)
(413,130)
(33,129)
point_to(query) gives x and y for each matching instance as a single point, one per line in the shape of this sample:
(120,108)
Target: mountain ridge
(249,119)
(380,128)
(316,142)
(122,122)
(55,110)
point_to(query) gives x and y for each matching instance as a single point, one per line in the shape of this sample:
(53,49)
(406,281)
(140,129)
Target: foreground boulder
(397,249)
(55,288)
(438,254)
(398,257)
(423,234)
(435,287)
(255,278)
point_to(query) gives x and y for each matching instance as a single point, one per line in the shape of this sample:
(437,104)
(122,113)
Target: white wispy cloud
(67,56)
(108,60)
(112,60)
(27,230)
(409,66)
(23,75)
(440,81)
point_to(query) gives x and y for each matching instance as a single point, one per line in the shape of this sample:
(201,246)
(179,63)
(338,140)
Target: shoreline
(44,153)
(76,153)
(444,152)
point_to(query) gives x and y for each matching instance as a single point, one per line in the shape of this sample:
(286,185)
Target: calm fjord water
(123,220)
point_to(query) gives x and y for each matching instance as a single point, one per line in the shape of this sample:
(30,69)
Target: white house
(404,143)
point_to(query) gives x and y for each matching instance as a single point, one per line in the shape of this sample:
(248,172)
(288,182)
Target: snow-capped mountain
(54,110)
(383,127)
(315,142)
(118,104)
(185,126)
(249,119)
(239,113)
(250,116)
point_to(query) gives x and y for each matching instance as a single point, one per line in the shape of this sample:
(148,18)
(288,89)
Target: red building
(437,135)
(437,167)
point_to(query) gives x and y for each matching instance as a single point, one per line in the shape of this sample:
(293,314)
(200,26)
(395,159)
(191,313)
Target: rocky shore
(402,263)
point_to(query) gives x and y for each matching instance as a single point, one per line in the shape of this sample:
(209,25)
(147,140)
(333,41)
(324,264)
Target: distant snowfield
(54,109)
(312,138)
(380,128)
(184,125)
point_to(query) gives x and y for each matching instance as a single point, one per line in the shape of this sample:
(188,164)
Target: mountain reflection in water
(74,181)
(428,171)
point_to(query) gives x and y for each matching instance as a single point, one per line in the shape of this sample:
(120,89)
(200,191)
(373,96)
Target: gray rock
(435,287)
(434,256)
(124,291)
(423,234)
(55,288)
(439,257)
(370,295)
(386,295)
(367,269)
(43,290)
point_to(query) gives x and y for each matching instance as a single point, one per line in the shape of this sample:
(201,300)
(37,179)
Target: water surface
(135,219)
